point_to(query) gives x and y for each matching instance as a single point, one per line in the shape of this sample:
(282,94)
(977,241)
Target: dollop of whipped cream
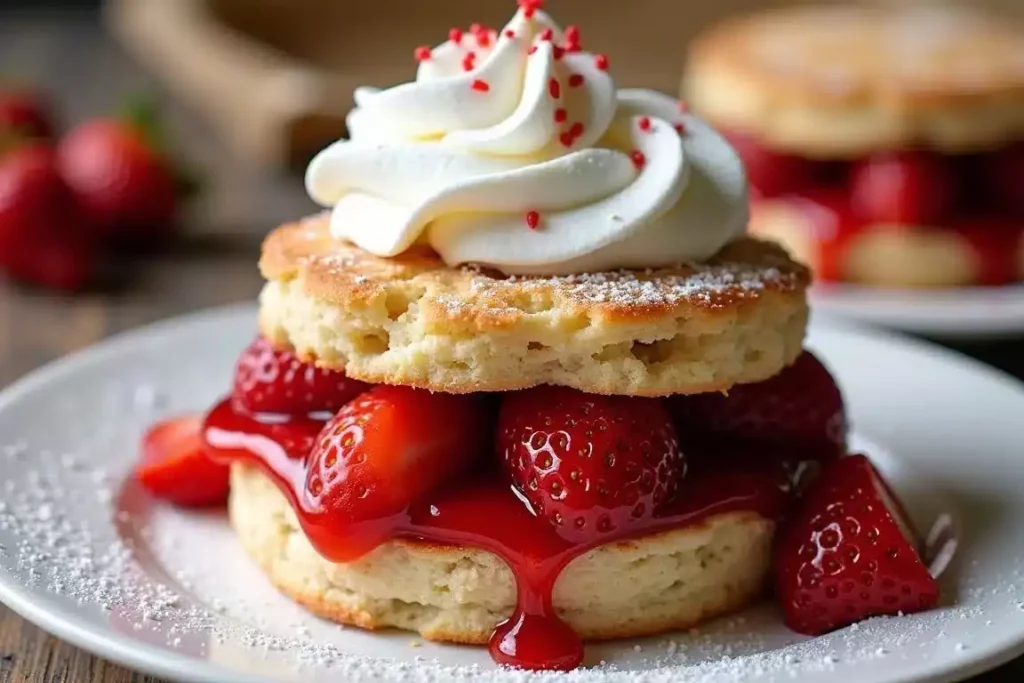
(513,149)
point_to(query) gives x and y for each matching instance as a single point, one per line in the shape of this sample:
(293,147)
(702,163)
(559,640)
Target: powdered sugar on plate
(78,538)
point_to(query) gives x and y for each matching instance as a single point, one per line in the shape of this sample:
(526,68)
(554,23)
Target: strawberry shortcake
(527,383)
(885,145)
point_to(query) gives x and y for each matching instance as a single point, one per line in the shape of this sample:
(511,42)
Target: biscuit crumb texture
(413,321)
(626,589)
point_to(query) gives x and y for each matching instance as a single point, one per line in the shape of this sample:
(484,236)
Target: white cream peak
(459,157)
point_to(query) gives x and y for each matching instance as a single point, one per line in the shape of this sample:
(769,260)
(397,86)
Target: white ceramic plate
(93,560)
(969,313)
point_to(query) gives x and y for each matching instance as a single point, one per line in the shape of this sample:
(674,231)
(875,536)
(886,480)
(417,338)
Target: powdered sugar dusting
(74,529)
(710,285)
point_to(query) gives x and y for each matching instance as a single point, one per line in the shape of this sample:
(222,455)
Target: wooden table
(215,265)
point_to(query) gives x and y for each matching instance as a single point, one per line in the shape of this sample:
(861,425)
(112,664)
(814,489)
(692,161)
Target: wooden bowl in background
(276,76)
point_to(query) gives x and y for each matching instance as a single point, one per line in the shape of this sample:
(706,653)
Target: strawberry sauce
(972,196)
(485,512)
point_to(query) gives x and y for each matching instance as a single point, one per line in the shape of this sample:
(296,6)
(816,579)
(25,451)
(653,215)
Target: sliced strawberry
(589,464)
(800,408)
(904,188)
(848,554)
(175,466)
(269,380)
(384,450)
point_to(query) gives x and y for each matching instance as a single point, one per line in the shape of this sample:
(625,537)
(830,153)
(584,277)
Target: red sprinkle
(576,80)
(481,86)
(572,35)
(645,124)
(601,62)
(531,50)
(567,139)
(483,39)
(509,33)
(532,220)
(547,34)
(559,52)
(423,53)
(455,35)
(555,88)
(638,159)
(530,7)
(469,61)
(476,29)
(683,106)
(680,128)
(561,115)
(576,130)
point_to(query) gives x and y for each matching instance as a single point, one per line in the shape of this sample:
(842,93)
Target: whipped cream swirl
(513,149)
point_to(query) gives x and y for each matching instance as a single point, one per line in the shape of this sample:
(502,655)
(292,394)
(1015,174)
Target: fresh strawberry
(24,114)
(64,263)
(848,554)
(772,173)
(800,408)
(126,187)
(589,464)
(903,188)
(384,450)
(176,468)
(42,236)
(269,380)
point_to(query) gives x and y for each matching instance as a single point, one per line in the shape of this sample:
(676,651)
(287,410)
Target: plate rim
(40,609)
(860,304)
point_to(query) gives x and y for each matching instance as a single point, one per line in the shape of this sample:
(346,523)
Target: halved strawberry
(270,380)
(800,408)
(849,554)
(384,450)
(175,466)
(589,464)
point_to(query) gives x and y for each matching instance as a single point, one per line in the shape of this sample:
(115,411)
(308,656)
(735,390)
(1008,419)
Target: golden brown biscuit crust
(412,320)
(844,81)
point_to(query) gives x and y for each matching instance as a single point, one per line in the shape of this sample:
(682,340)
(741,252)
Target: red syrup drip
(485,512)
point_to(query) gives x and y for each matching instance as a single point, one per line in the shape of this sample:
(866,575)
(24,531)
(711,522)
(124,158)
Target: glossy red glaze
(484,512)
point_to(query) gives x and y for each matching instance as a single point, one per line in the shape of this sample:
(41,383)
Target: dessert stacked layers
(529,383)
(885,146)
(554,347)
(522,270)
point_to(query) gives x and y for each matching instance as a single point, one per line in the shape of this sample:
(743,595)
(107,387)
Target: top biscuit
(841,82)
(413,321)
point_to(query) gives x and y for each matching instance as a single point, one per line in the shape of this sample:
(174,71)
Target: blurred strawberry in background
(24,114)
(109,182)
(44,238)
(123,176)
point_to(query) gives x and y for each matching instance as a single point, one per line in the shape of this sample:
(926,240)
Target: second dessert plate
(966,313)
(87,555)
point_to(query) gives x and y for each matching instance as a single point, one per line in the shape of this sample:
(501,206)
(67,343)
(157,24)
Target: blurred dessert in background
(884,146)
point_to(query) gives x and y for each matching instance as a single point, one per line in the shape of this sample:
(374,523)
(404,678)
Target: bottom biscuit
(640,587)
